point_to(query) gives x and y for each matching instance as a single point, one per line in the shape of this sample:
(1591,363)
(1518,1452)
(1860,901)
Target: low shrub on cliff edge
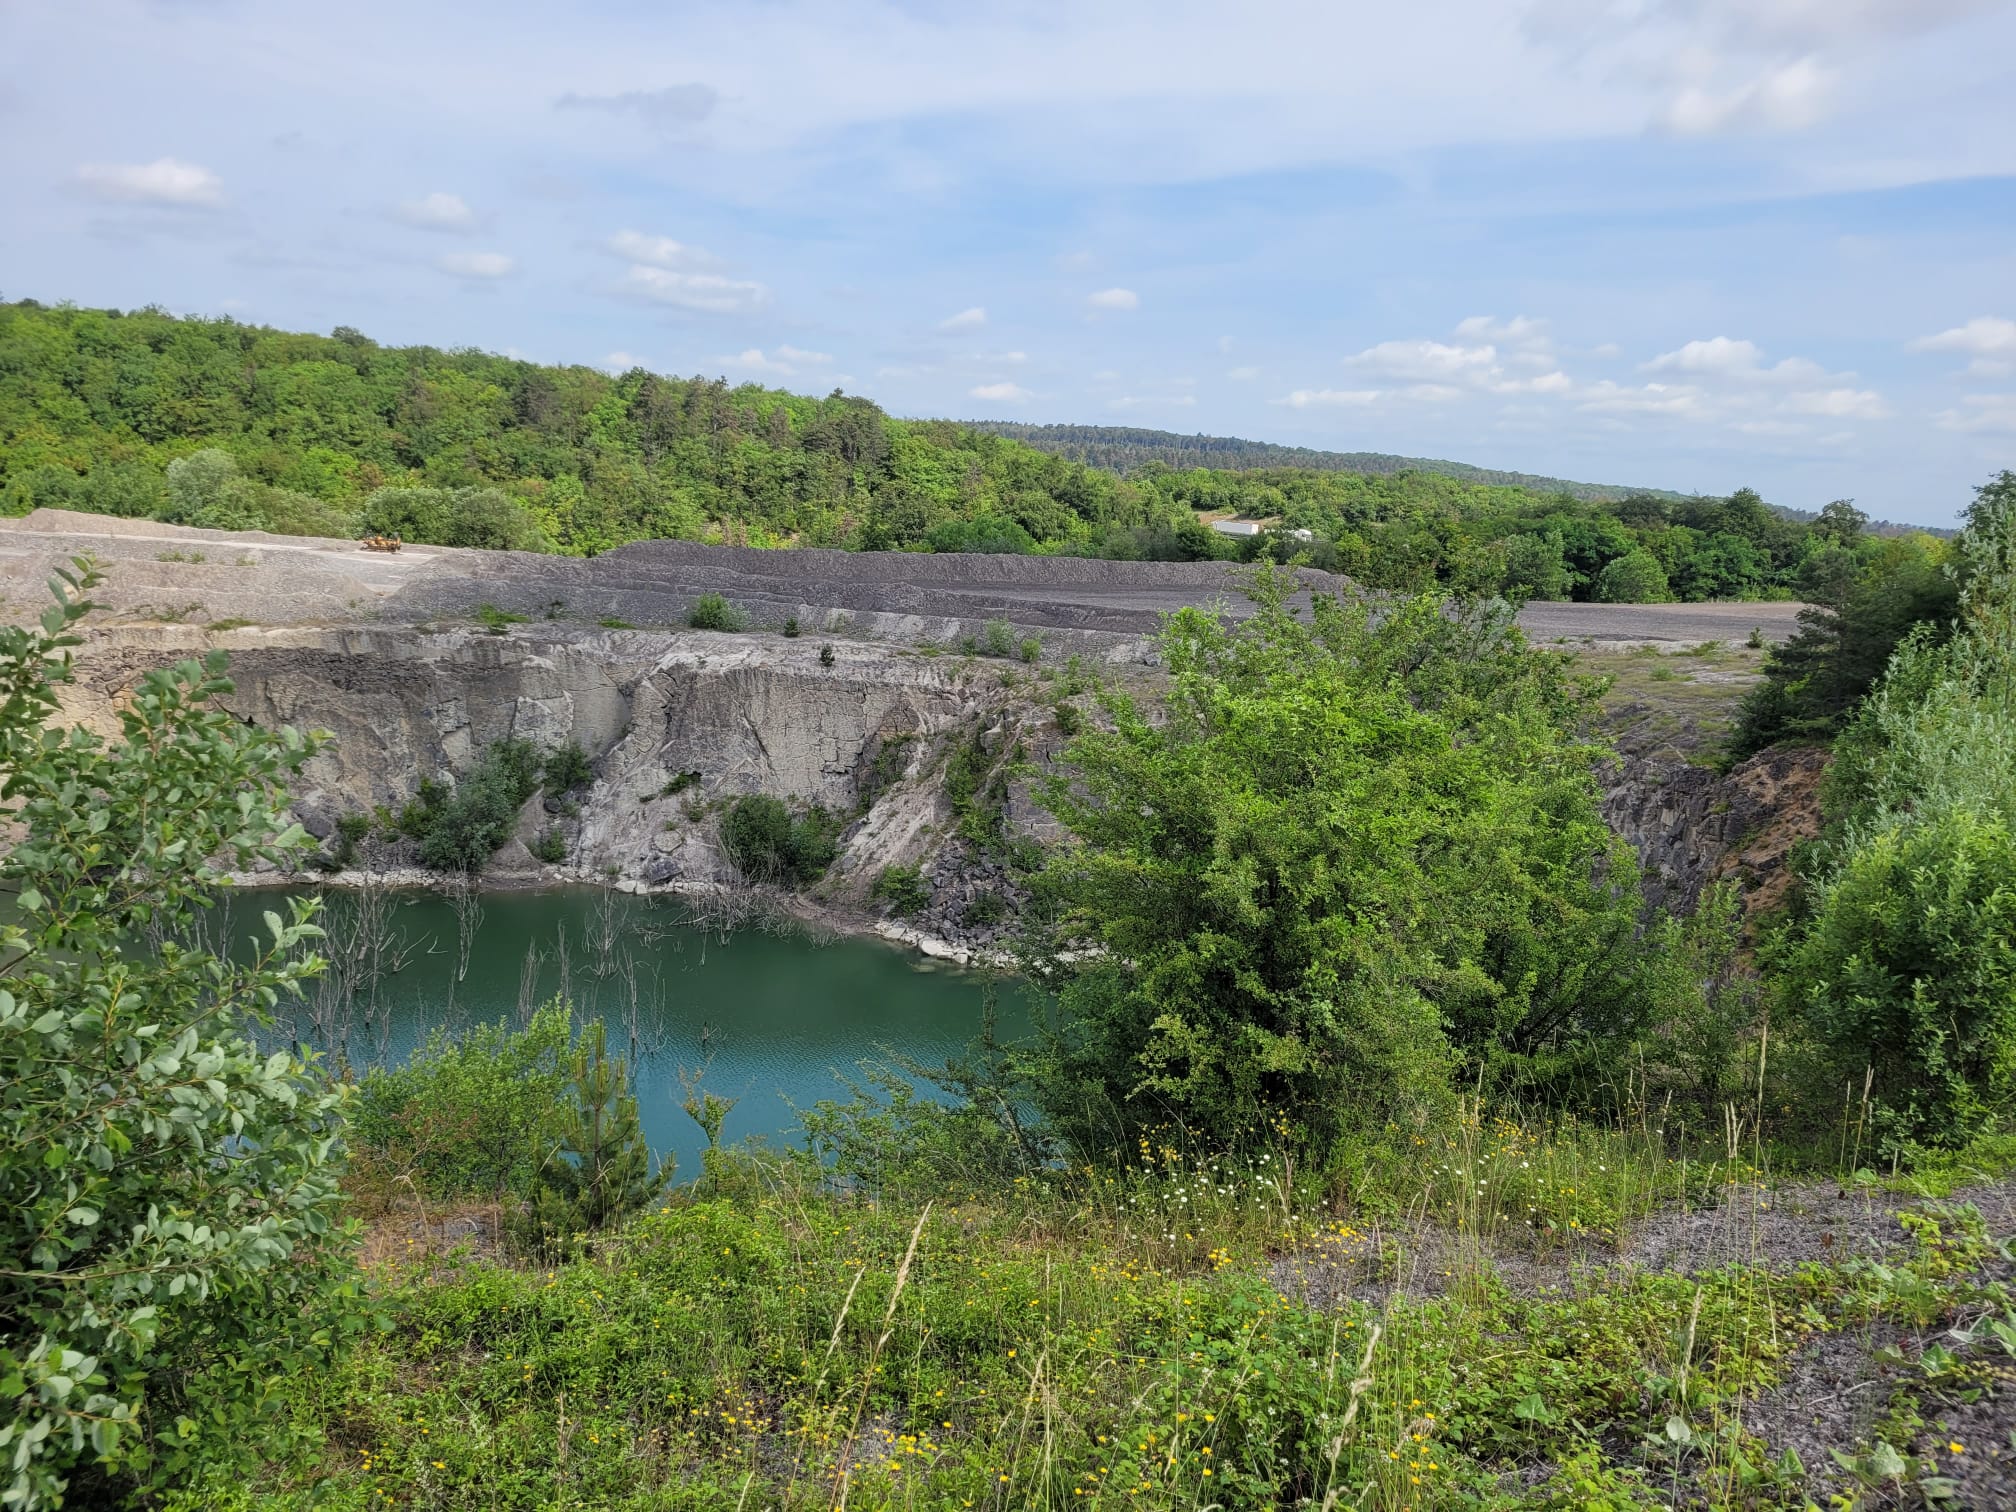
(768,843)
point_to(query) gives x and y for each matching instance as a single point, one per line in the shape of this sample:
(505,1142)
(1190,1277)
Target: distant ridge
(1123,448)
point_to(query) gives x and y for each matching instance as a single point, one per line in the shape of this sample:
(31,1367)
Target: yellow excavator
(380,543)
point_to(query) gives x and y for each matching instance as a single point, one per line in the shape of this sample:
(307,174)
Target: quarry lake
(775,1018)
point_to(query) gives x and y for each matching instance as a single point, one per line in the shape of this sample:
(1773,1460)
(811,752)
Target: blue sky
(1687,243)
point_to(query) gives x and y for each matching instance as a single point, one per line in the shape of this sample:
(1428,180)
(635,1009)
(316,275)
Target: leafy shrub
(791,630)
(612,622)
(1909,969)
(565,768)
(1318,885)
(469,1115)
(550,846)
(825,656)
(678,783)
(477,517)
(1032,650)
(986,908)
(460,828)
(998,638)
(496,620)
(768,843)
(904,889)
(1907,964)
(168,1189)
(1634,578)
(711,611)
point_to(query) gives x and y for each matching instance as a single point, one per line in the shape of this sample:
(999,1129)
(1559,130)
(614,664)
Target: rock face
(866,736)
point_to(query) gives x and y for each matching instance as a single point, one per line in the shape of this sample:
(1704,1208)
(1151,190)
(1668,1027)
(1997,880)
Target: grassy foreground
(1445,1322)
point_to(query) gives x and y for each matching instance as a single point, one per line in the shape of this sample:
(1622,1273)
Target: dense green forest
(215,423)
(1124,448)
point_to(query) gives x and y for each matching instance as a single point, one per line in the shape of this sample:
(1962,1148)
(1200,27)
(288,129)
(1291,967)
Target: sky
(1690,244)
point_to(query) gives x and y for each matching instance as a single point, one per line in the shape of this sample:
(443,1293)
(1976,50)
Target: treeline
(1125,448)
(218,424)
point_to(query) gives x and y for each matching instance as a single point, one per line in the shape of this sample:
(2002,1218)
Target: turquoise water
(775,1019)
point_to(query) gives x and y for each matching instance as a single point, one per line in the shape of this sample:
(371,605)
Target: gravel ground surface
(195,576)
(1836,1388)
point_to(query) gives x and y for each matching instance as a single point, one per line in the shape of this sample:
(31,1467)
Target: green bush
(985,909)
(478,517)
(497,621)
(565,768)
(825,656)
(711,611)
(469,1115)
(768,843)
(904,889)
(169,1210)
(1357,854)
(460,828)
(1908,970)
(1634,578)
(550,846)
(998,638)
(1032,650)
(791,630)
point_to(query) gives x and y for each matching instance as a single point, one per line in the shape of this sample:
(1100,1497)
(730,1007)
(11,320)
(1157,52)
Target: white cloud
(708,293)
(1981,412)
(1431,393)
(622,362)
(165,181)
(1329,398)
(1242,374)
(437,212)
(475,265)
(1983,336)
(1839,404)
(660,252)
(1425,360)
(1724,358)
(1684,400)
(1114,299)
(754,361)
(802,357)
(1989,339)
(966,320)
(1002,393)
(1782,99)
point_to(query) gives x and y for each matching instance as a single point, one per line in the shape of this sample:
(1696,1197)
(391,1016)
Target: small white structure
(1236,527)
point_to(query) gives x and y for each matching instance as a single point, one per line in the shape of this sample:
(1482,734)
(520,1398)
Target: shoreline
(848,924)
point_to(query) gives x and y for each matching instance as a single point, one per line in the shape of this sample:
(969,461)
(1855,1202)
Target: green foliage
(601,1170)
(549,845)
(711,611)
(477,517)
(460,828)
(825,656)
(903,888)
(1633,578)
(768,843)
(791,630)
(1354,855)
(565,768)
(1863,601)
(167,1189)
(497,621)
(469,1115)
(997,638)
(1906,963)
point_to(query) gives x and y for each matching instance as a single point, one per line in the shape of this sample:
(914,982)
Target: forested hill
(1123,448)
(220,424)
